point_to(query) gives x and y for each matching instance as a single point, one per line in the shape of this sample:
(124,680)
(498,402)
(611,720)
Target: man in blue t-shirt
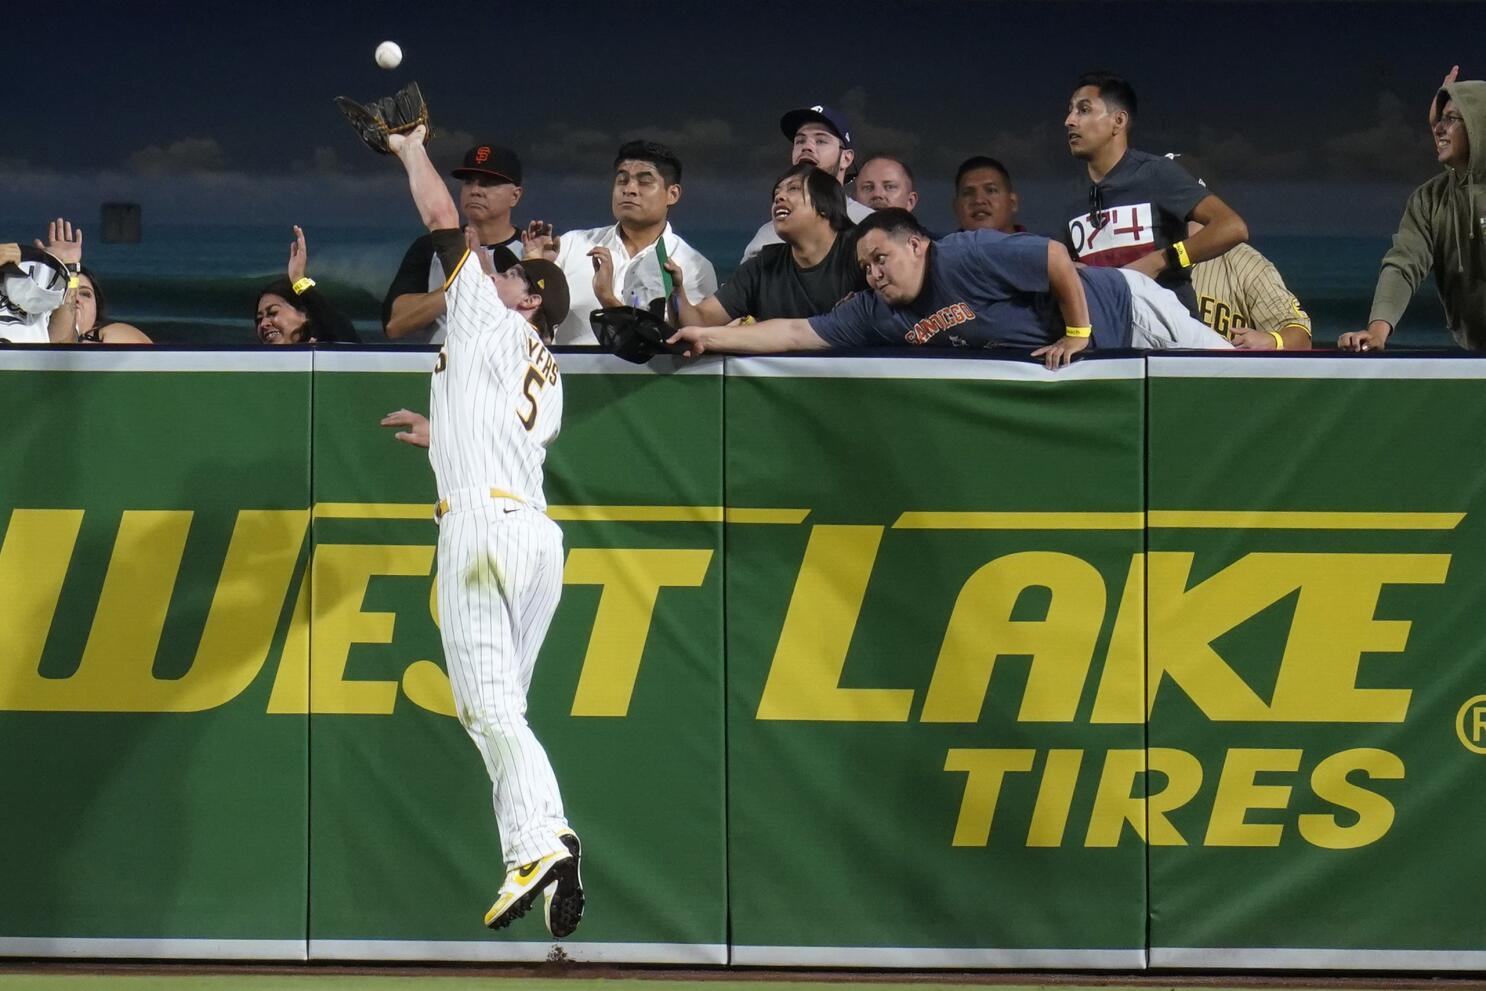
(975,289)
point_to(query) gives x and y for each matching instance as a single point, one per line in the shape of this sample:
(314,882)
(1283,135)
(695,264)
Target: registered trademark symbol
(1470,725)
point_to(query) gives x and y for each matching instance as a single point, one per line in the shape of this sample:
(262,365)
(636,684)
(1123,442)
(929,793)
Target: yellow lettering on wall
(341,575)
(804,680)
(1237,794)
(427,686)
(1184,622)
(136,591)
(234,641)
(1334,627)
(34,556)
(1374,812)
(1054,798)
(632,579)
(291,685)
(1116,805)
(981,630)
(1122,685)
(985,769)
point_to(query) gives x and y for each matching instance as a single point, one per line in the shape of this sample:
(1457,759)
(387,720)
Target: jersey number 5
(534,380)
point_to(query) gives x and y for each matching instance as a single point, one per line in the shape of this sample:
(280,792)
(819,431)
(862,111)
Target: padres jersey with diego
(496,398)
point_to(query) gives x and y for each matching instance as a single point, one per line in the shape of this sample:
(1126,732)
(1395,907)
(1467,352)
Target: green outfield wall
(866,662)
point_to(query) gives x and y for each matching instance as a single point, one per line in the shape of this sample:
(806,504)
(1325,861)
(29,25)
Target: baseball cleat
(522,886)
(564,897)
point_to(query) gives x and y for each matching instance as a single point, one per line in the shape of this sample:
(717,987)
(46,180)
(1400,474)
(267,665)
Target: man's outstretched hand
(415,426)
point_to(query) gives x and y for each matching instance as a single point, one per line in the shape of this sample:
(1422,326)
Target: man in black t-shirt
(490,188)
(1138,204)
(808,274)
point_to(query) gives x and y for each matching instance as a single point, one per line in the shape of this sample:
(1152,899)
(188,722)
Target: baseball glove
(631,333)
(397,114)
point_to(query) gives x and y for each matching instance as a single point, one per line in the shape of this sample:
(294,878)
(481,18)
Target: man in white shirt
(822,137)
(618,265)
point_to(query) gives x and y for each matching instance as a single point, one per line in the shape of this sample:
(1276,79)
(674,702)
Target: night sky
(1309,117)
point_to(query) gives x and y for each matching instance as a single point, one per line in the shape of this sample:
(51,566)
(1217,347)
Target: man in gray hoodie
(1443,231)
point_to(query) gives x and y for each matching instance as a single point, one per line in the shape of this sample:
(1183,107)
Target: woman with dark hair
(292,311)
(90,316)
(809,273)
(81,318)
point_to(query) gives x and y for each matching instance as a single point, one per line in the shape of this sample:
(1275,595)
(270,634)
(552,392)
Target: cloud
(1394,146)
(324,160)
(873,138)
(188,156)
(1225,155)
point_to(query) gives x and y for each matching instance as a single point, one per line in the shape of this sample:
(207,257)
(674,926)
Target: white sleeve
(470,300)
(701,281)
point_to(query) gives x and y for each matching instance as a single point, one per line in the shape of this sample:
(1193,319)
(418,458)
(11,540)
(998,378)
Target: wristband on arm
(1176,256)
(1279,341)
(1078,331)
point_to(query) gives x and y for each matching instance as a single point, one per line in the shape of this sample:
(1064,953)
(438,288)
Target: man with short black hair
(490,188)
(883,181)
(984,197)
(619,265)
(808,274)
(974,289)
(1138,204)
(821,137)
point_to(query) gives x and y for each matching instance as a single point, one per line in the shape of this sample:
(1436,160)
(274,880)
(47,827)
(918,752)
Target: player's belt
(442,507)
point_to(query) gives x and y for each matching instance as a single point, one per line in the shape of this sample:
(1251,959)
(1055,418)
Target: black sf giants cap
(492,161)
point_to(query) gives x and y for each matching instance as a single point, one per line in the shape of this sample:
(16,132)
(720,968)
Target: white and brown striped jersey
(1241,288)
(496,398)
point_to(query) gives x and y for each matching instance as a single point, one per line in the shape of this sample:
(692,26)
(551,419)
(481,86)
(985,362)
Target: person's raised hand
(400,143)
(538,241)
(298,255)
(603,276)
(64,241)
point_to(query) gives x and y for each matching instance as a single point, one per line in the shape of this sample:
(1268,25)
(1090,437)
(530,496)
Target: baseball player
(495,405)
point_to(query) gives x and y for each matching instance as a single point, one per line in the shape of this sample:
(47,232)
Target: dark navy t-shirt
(981,289)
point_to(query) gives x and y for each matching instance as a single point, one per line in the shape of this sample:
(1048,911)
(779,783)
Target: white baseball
(389,55)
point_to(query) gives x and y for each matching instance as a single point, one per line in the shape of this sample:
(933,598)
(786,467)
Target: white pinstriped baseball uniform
(496,403)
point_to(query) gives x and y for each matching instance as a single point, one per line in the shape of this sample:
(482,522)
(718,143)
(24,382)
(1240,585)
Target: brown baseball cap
(490,160)
(546,278)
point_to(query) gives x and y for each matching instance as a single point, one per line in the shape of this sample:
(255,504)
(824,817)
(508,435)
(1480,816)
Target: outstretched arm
(430,195)
(768,337)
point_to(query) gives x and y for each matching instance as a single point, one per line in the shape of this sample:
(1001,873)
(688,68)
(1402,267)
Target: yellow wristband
(72,282)
(300,285)
(1180,248)
(1279,342)
(1078,331)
